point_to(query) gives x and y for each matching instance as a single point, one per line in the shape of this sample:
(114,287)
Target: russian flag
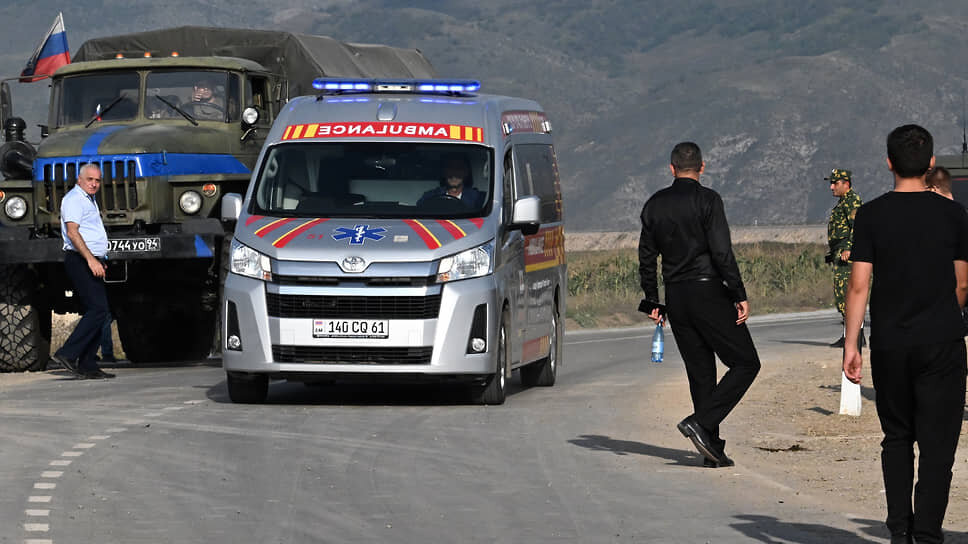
(51,54)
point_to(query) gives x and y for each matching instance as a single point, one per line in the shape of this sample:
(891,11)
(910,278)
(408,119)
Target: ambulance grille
(118,189)
(353,307)
(339,355)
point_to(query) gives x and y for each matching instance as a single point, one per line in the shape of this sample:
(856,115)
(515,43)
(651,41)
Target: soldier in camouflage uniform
(840,231)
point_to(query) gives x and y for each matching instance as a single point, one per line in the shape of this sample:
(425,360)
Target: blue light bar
(398,86)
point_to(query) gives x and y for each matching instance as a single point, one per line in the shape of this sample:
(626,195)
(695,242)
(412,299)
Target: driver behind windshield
(205,103)
(457,184)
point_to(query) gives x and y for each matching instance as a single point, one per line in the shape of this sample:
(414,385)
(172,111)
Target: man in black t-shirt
(915,242)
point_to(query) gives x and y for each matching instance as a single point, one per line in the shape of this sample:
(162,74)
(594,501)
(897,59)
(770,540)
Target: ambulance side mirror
(527,214)
(231,207)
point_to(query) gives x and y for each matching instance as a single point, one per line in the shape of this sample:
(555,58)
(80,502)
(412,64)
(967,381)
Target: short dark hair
(686,156)
(910,148)
(939,178)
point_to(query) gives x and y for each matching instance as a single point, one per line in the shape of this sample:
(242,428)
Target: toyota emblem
(353,264)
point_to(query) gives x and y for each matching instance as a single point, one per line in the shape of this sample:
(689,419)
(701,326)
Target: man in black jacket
(705,298)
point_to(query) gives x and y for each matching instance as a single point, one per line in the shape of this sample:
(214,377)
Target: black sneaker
(67,364)
(97,374)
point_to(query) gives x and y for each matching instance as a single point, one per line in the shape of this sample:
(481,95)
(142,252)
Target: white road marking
(37,527)
(99,437)
(52,474)
(115,430)
(37,513)
(39,498)
(45,485)
(72,454)
(153,414)
(84,445)
(60,462)
(38,541)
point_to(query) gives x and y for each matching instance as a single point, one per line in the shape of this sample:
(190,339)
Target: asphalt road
(160,455)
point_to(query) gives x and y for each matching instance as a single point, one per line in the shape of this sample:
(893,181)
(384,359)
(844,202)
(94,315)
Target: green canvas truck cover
(298,57)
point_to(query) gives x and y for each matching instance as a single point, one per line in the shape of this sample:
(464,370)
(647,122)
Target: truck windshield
(86,97)
(204,95)
(385,180)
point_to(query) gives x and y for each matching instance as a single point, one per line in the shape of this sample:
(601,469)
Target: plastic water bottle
(658,343)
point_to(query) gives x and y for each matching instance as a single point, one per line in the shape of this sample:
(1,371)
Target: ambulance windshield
(381,179)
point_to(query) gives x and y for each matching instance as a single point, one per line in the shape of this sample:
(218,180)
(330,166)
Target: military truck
(132,105)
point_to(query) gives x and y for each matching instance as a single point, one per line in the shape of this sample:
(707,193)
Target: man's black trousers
(703,320)
(84,341)
(920,394)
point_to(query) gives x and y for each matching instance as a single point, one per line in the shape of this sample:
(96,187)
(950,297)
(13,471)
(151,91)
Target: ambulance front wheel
(495,390)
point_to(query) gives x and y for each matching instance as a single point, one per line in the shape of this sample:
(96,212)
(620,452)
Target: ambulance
(398,230)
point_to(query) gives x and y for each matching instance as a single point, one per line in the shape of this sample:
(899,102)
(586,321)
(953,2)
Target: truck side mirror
(231,206)
(527,214)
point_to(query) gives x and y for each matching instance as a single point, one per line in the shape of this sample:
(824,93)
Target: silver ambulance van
(398,230)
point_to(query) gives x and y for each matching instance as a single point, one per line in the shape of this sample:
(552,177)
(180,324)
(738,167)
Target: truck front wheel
(24,322)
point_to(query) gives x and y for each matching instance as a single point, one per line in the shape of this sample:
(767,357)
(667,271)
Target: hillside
(776,94)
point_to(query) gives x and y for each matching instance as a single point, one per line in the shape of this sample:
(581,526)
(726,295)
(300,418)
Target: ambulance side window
(537,174)
(507,202)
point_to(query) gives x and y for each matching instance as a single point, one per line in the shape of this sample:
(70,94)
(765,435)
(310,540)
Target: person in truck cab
(205,103)
(457,184)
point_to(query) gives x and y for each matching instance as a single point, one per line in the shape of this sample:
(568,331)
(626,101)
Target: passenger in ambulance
(457,184)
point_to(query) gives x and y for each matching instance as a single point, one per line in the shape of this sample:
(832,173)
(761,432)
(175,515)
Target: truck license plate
(134,245)
(350,328)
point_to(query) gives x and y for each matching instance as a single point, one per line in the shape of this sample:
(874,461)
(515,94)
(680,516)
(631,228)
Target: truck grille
(118,189)
(354,307)
(352,355)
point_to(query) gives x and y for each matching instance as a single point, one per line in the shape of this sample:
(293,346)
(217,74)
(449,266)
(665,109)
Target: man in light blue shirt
(85,246)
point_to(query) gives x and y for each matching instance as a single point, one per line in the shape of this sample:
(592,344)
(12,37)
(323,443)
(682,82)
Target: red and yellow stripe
(266,229)
(292,234)
(452,228)
(424,233)
(553,245)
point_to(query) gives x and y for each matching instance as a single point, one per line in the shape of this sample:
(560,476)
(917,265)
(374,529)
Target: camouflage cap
(838,174)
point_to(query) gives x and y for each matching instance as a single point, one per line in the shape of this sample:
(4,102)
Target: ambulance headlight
(249,262)
(473,263)
(15,207)
(190,202)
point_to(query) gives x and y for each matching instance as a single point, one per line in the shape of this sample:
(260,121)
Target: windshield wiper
(179,110)
(105,110)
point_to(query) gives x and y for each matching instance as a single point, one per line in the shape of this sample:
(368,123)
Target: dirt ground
(788,428)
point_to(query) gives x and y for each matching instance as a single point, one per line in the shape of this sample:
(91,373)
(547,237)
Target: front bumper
(429,349)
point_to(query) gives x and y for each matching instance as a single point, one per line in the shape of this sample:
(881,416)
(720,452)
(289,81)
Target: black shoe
(67,364)
(902,539)
(691,429)
(725,462)
(97,374)
(839,343)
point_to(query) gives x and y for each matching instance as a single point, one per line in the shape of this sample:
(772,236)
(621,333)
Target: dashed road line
(33,525)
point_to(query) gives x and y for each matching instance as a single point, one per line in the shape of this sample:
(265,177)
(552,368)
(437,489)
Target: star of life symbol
(359,234)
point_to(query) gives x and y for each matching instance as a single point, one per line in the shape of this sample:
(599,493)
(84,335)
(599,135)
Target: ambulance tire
(247,388)
(544,372)
(24,323)
(495,390)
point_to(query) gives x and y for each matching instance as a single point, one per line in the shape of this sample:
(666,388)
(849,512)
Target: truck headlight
(472,263)
(15,208)
(190,202)
(249,262)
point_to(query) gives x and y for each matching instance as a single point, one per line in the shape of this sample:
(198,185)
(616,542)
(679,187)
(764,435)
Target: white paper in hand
(849,397)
